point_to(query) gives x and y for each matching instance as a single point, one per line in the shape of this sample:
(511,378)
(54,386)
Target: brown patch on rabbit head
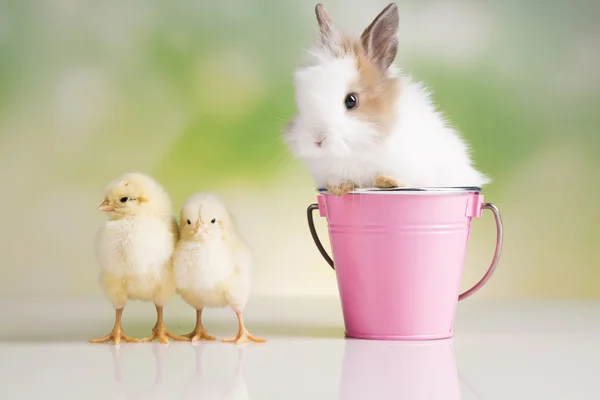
(377,93)
(376,89)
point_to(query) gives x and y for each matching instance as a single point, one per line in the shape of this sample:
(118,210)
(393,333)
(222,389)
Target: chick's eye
(351,101)
(189,222)
(213,221)
(124,199)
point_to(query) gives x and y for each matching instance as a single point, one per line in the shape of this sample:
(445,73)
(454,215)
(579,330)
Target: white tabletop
(501,350)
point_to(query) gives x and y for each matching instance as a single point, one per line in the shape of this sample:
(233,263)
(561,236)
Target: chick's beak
(199,226)
(106,207)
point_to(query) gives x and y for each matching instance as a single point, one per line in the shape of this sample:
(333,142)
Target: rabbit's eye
(351,101)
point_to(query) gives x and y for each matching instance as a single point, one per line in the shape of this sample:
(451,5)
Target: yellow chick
(212,263)
(134,248)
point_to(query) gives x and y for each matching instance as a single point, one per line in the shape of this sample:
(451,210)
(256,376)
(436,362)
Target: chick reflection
(399,370)
(231,388)
(157,392)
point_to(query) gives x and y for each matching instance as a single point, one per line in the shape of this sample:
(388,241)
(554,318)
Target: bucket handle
(313,232)
(468,293)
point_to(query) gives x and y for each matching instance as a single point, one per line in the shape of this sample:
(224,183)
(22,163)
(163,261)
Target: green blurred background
(196,94)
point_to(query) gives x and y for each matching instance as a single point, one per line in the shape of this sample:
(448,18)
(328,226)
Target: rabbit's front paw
(341,189)
(385,182)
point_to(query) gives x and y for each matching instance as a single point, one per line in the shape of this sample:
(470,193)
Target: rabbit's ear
(380,39)
(328,32)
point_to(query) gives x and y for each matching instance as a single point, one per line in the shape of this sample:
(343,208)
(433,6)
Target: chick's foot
(116,336)
(160,331)
(243,335)
(162,334)
(199,333)
(196,335)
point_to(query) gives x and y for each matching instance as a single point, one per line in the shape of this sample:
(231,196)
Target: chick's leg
(243,336)
(117,334)
(199,333)
(160,331)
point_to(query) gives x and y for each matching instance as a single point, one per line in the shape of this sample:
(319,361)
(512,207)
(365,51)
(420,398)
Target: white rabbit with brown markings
(361,122)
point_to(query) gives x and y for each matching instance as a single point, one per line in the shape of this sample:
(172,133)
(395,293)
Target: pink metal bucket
(398,256)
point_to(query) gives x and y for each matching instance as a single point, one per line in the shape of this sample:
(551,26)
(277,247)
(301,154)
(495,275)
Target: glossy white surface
(501,350)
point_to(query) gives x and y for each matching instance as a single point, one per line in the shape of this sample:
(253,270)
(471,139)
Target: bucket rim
(411,190)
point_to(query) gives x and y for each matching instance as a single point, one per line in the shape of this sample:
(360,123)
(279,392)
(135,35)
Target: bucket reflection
(399,370)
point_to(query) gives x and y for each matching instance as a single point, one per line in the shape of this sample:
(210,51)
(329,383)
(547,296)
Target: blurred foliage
(197,93)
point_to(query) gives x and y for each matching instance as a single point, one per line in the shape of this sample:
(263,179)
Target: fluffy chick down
(213,266)
(135,247)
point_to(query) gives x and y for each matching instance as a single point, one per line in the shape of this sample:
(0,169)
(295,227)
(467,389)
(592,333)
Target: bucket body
(399,259)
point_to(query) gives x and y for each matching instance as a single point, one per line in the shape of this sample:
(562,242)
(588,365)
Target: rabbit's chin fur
(395,131)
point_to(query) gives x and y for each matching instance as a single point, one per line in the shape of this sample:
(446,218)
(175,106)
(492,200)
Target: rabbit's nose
(319,142)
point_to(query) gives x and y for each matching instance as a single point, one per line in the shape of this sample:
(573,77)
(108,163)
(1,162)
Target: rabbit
(362,123)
